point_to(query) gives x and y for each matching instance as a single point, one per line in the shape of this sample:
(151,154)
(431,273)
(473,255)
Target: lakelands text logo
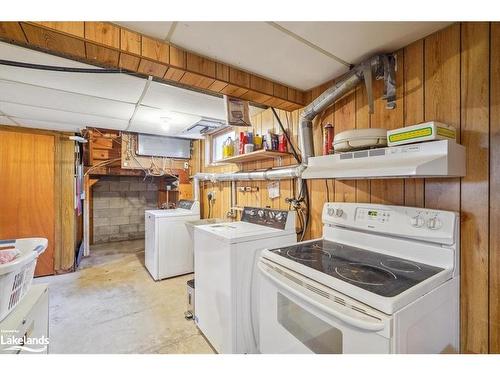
(11,342)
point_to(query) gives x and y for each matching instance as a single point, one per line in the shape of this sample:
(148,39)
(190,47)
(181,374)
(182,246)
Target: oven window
(319,336)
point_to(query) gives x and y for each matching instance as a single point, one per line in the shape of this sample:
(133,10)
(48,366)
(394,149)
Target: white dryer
(168,245)
(227,281)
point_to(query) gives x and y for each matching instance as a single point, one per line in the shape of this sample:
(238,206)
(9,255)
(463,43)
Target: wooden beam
(109,45)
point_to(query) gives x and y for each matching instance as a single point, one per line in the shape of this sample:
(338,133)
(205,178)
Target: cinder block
(128,228)
(100,221)
(138,219)
(101,186)
(130,194)
(119,186)
(141,227)
(100,203)
(120,220)
(106,194)
(117,202)
(138,186)
(110,229)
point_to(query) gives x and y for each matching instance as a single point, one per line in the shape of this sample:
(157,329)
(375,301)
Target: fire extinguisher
(328,139)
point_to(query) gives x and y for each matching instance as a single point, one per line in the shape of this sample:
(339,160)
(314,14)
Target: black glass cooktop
(381,274)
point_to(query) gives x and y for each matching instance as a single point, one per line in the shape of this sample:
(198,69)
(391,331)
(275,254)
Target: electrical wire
(64,69)
(294,151)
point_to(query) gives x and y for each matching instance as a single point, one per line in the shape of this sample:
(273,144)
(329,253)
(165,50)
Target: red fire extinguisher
(328,139)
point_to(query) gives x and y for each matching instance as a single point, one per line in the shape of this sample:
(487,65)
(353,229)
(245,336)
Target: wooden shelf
(255,156)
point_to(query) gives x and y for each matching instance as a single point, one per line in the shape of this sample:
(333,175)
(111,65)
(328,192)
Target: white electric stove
(382,279)
(226,276)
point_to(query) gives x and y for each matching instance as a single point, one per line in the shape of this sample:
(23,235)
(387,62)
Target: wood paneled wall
(451,76)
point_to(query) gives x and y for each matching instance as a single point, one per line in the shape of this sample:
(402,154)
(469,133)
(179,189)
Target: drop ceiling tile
(259,48)
(6,121)
(177,99)
(47,125)
(112,86)
(57,116)
(156,29)
(48,98)
(355,41)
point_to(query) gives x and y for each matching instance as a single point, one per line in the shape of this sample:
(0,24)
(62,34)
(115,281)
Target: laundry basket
(16,276)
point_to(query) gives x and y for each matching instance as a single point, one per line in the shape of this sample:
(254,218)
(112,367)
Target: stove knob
(278,216)
(260,213)
(339,212)
(417,221)
(251,212)
(434,223)
(271,215)
(330,211)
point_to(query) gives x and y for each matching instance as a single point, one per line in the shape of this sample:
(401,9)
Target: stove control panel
(269,217)
(419,223)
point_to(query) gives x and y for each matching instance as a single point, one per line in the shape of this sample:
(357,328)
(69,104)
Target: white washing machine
(168,245)
(227,281)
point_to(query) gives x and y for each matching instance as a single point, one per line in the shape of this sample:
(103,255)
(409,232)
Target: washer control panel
(268,217)
(433,225)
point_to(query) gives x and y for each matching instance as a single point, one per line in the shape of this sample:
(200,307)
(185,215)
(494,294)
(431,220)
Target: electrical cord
(294,151)
(64,69)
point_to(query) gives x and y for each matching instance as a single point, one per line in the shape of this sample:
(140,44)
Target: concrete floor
(112,305)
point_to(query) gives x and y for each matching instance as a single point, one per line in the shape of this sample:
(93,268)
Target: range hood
(428,159)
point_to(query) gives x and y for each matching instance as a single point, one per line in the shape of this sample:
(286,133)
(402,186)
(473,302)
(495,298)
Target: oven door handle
(358,323)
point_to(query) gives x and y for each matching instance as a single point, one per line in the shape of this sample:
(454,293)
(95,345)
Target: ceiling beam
(108,45)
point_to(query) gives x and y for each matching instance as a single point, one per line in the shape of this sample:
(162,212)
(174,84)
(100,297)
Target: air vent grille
(320,292)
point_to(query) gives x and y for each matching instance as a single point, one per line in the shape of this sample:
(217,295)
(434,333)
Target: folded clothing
(8,254)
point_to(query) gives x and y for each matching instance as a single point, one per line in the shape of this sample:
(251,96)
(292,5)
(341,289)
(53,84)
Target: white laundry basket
(16,276)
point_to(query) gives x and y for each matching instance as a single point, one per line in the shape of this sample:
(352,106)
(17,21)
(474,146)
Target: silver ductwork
(383,66)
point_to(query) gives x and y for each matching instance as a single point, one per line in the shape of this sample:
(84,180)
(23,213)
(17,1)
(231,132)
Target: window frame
(209,145)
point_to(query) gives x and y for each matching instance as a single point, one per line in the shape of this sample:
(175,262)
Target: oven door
(298,315)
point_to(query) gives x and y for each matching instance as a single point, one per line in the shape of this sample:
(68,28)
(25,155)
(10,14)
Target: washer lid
(240,231)
(171,213)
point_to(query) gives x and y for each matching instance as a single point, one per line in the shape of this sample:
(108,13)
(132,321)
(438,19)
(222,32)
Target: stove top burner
(365,274)
(313,254)
(375,272)
(400,265)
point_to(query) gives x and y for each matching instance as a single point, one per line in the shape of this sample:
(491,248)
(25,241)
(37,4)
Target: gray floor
(112,305)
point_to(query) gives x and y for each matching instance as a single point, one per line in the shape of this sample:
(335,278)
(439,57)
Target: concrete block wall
(118,207)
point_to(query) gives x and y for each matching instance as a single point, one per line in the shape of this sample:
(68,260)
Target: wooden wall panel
(494,214)
(413,104)
(475,186)
(442,103)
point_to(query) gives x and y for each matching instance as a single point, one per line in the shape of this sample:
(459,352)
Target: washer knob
(434,223)
(417,221)
(339,212)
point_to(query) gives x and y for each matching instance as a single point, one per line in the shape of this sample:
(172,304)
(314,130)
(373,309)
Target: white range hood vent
(427,159)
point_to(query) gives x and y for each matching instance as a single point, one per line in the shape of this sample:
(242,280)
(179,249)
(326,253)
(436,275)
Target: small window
(216,142)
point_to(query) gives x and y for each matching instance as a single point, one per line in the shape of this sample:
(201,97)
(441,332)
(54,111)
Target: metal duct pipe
(381,65)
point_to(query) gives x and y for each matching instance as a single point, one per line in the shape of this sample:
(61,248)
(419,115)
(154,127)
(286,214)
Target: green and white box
(427,131)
